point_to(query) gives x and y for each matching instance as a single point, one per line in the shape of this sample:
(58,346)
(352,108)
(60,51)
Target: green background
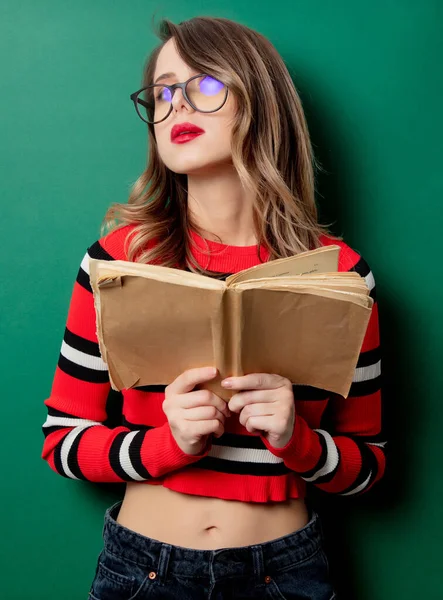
(371,82)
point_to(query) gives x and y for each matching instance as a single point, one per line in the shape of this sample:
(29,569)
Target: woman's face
(204,151)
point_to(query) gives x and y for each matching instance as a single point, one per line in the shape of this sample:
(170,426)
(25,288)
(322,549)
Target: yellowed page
(111,269)
(310,339)
(324,259)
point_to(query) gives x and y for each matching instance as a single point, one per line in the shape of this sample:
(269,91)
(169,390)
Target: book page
(154,330)
(321,260)
(346,279)
(106,271)
(310,339)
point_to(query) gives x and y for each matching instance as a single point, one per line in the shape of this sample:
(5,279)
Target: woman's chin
(192,166)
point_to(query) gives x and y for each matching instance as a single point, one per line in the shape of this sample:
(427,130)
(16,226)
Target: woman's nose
(178,100)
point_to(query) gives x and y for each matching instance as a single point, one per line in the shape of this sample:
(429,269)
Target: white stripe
(332,457)
(68,422)
(250,455)
(85,263)
(380,444)
(370,281)
(82,358)
(359,488)
(125,459)
(366,373)
(66,447)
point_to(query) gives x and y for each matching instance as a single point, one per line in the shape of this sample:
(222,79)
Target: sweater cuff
(161,454)
(303,450)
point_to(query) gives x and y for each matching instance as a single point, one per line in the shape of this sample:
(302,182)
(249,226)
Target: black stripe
(135,455)
(242,468)
(48,430)
(73,463)
(81,344)
(370,357)
(83,280)
(81,372)
(97,251)
(236,440)
(135,426)
(363,269)
(369,463)
(364,388)
(57,457)
(321,461)
(150,388)
(94,251)
(114,409)
(114,457)
(329,476)
(365,439)
(301,392)
(307,392)
(54,412)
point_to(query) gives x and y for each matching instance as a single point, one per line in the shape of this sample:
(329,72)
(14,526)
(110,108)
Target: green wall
(371,80)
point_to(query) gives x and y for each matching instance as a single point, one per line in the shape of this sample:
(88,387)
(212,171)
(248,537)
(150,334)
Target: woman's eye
(210,86)
(164,94)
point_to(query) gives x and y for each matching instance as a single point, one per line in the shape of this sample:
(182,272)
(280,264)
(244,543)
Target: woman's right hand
(194,414)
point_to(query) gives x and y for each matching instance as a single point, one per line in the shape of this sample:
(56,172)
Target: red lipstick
(185,132)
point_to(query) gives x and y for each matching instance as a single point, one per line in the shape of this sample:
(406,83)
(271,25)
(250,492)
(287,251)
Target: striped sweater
(337,444)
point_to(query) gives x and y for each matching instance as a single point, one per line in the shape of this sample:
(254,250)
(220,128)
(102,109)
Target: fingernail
(226,383)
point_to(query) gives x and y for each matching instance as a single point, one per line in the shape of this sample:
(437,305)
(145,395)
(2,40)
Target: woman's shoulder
(348,258)
(114,244)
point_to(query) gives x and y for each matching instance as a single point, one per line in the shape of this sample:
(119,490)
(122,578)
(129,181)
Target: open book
(296,316)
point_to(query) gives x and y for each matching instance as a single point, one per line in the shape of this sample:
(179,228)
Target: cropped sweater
(337,444)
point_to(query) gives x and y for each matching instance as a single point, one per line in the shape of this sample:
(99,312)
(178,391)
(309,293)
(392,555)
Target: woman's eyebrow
(165,76)
(168,75)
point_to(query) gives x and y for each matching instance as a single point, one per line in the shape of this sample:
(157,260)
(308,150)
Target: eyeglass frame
(173,87)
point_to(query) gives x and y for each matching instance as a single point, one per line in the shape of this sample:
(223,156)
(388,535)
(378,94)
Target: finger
(187,380)
(255,410)
(242,399)
(220,429)
(255,381)
(204,397)
(206,427)
(203,413)
(258,424)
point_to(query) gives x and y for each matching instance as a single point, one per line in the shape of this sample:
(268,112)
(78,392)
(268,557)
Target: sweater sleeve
(346,455)
(78,444)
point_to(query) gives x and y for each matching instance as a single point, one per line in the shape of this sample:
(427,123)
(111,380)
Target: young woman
(216,496)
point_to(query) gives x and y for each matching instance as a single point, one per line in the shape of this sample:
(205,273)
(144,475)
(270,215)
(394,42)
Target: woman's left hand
(266,405)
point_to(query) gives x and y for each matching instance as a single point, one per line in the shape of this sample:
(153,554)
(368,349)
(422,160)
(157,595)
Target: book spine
(232,319)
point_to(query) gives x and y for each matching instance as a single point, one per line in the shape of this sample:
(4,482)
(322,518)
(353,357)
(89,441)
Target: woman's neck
(220,206)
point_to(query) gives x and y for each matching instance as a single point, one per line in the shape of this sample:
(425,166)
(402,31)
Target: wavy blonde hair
(271,151)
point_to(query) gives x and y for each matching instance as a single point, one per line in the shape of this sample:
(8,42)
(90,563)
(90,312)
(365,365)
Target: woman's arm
(347,456)
(77,443)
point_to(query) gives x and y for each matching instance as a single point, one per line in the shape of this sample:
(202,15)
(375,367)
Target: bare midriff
(203,523)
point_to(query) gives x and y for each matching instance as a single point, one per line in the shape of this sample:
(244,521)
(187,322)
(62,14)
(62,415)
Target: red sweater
(337,444)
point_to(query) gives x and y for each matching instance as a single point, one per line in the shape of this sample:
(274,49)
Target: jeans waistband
(255,560)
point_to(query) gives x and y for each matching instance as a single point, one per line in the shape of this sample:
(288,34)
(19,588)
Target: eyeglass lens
(205,92)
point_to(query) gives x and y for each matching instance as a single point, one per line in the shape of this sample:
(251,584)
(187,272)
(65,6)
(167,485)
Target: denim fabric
(132,566)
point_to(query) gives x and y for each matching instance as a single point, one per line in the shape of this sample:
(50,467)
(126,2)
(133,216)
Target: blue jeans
(132,566)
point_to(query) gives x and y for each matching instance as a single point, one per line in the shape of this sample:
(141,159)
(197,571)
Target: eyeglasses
(204,93)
